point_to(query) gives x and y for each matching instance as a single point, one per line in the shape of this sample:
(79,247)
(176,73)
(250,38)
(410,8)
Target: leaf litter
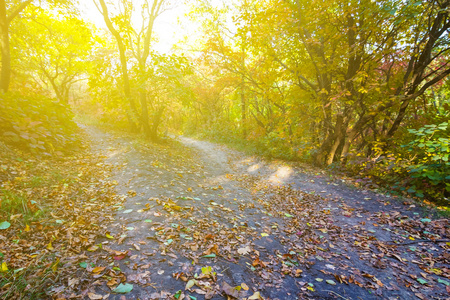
(201,234)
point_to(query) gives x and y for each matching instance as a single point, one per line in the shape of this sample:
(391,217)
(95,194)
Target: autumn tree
(55,52)
(138,42)
(336,78)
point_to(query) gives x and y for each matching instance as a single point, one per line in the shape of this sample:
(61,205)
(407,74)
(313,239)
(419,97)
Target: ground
(204,222)
(200,221)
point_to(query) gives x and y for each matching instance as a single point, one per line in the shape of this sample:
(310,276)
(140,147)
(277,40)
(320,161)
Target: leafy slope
(55,209)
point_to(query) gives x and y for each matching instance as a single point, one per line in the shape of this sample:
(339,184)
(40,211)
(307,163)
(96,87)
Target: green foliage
(431,165)
(36,124)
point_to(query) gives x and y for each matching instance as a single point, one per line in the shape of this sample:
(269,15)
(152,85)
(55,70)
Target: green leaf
(127,211)
(123,288)
(212,255)
(422,281)
(329,281)
(147,221)
(177,294)
(83,264)
(425,220)
(443,281)
(288,215)
(5,225)
(319,279)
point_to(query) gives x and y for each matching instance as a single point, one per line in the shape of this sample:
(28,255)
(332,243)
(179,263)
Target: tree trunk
(134,115)
(144,113)
(6,54)
(243,111)
(156,120)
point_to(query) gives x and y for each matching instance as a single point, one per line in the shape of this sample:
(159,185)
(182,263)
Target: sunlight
(281,175)
(169,28)
(254,168)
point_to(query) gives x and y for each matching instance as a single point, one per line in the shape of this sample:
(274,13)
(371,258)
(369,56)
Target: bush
(431,166)
(36,124)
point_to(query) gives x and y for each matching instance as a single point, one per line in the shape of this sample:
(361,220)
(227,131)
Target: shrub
(430,165)
(36,124)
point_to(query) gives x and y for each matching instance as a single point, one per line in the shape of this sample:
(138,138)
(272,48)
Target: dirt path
(199,221)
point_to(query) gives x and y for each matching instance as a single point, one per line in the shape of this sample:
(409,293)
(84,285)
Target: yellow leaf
(310,288)
(4,267)
(190,284)
(109,236)
(244,286)
(92,248)
(50,247)
(55,265)
(255,296)
(264,234)
(27,228)
(98,269)
(411,238)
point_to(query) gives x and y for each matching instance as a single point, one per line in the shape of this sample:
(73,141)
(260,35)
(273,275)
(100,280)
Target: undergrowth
(48,208)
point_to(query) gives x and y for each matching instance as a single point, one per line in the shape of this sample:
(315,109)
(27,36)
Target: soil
(285,232)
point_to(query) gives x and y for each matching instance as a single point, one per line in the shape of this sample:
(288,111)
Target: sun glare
(169,28)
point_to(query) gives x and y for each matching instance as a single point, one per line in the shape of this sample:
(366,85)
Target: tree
(56,50)
(7,15)
(334,77)
(139,43)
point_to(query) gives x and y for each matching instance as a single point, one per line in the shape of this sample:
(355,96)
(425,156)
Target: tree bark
(5,21)
(123,63)
(6,55)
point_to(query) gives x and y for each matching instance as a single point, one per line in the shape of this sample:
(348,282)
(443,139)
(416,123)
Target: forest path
(200,220)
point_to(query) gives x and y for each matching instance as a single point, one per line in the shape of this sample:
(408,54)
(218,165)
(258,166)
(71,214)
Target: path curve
(283,233)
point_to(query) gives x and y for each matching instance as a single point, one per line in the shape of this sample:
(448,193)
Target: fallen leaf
(50,247)
(12,217)
(255,296)
(4,267)
(5,225)
(92,248)
(123,288)
(329,281)
(190,284)
(229,290)
(93,296)
(98,269)
(245,250)
(422,281)
(212,255)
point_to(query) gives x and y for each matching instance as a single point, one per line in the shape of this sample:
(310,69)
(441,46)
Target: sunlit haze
(168,28)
